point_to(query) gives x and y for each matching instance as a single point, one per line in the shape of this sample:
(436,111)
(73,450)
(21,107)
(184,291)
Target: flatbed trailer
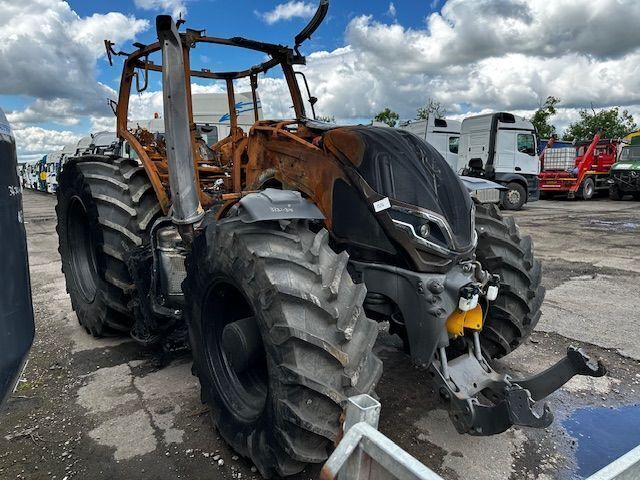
(578,171)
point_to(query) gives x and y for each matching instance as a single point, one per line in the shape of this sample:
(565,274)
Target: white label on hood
(382,204)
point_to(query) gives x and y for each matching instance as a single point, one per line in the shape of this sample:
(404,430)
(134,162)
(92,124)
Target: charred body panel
(16,312)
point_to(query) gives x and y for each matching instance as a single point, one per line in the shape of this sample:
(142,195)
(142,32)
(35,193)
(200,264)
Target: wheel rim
(588,189)
(243,391)
(82,253)
(513,197)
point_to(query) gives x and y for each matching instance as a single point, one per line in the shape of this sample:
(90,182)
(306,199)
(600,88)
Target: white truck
(501,147)
(52,167)
(442,134)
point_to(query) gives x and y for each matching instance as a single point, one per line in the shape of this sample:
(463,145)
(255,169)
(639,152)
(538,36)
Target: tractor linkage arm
(510,401)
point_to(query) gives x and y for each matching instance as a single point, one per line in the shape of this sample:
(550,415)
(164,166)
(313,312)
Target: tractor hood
(626,165)
(403,167)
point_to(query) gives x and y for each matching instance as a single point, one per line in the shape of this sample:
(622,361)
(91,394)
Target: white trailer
(502,147)
(442,134)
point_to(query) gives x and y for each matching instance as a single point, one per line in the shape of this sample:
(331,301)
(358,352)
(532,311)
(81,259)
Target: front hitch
(482,401)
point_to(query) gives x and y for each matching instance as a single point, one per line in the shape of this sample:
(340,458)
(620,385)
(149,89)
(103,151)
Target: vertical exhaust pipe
(186,208)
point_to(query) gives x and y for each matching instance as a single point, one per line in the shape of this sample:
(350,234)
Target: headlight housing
(429,229)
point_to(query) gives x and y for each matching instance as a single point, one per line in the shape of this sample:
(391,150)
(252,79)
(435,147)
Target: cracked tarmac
(102,409)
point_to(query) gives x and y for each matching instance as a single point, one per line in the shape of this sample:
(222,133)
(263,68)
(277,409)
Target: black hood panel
(399,165)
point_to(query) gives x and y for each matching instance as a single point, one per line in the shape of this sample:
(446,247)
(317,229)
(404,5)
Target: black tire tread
(122,222)
(315,332)
(504,251)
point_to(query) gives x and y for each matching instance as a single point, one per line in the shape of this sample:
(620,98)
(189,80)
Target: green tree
(432,107)
(542,115)
(387,116)
(616,124)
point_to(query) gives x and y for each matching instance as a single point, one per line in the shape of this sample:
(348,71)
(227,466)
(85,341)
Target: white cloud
(287,11)
(33,142)
(472,56)
(391,11)
(174,7)
(485,55)
(49,52)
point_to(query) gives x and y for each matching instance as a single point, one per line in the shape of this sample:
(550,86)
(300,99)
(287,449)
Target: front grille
(487,195)
(627,179)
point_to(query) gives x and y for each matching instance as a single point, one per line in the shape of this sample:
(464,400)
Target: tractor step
(482,401)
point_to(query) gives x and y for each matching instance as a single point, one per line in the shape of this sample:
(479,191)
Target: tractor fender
(273,204)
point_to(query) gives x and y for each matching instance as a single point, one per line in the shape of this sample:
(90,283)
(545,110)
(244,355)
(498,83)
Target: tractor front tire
(105,207)
(502,250)
(279,339)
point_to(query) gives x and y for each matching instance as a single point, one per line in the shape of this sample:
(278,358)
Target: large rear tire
(105,207)
(502,250)
(300,341)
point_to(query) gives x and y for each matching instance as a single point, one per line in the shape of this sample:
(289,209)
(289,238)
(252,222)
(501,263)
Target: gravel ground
(104,409)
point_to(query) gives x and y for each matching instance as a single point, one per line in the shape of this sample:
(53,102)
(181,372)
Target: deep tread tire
(120,207)
(317,340)
(502,250)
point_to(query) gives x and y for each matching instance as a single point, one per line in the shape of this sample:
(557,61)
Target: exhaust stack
(186,209)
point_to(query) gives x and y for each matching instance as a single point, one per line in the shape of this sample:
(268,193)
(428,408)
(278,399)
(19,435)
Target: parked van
(442,134)
(502,147)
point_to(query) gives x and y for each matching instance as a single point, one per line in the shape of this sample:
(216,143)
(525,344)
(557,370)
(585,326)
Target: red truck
(577,171)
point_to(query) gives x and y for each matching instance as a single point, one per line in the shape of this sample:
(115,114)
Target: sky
(470,55)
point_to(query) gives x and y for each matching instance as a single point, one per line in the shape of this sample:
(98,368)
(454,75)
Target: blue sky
(471,56)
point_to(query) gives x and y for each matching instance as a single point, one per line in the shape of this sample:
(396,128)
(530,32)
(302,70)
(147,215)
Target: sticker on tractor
(382,204)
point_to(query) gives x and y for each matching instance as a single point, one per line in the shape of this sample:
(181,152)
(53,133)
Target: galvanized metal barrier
(627,467)
(366,454)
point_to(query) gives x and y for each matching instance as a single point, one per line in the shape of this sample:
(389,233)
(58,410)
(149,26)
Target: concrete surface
(103,409)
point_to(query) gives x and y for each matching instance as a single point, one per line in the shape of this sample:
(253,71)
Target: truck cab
(52,166)
(501,147)
(442,134)
(625,173)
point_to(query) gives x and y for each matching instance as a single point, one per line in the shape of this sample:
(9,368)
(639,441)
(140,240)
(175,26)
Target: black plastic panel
(16,313)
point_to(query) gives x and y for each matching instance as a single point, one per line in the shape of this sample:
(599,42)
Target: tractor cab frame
(220,169)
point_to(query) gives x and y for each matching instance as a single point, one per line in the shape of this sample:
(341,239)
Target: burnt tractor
(278,250)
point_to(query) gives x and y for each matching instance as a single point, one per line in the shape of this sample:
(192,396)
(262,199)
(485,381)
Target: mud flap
(482,401)
(16,312)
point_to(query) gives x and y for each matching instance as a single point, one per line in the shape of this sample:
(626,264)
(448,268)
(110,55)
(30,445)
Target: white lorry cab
(52,167)
(501,147)
(442,134)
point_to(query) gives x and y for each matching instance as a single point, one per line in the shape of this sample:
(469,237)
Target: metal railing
(627,467)
(366,454)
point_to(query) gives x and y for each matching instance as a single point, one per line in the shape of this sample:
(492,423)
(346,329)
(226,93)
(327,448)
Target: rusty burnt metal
(267,154)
